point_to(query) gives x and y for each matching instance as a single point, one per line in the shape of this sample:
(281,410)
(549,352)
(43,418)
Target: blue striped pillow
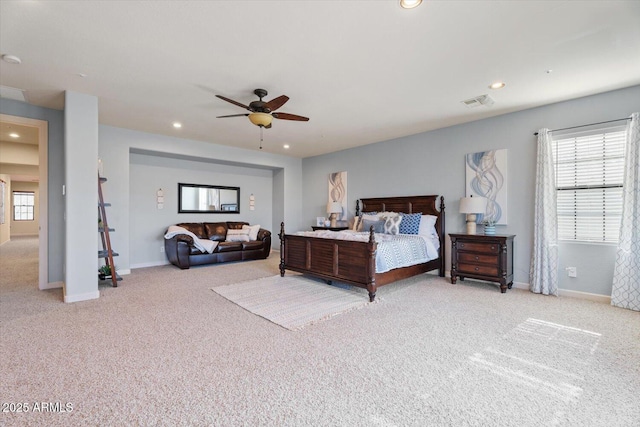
(410,223)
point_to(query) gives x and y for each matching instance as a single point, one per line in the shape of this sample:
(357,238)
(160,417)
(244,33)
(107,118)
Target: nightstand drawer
(487,248)
(472,258)
(487,270)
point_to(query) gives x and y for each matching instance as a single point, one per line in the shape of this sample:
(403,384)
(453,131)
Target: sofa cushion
(216,231)
(229,246)
(196,228)
(236,225)
(254,244)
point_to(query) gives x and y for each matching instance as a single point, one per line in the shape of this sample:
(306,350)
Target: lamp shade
(334,207)
(472,205)
(260,119)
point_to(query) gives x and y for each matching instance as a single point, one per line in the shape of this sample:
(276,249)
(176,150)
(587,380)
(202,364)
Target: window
(589,177)
(23,205)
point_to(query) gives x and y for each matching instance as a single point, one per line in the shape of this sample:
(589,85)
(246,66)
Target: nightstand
(315,227)
(483,257)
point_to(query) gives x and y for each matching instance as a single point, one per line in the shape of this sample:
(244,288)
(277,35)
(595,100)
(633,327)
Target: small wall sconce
(252,202)
(160,198)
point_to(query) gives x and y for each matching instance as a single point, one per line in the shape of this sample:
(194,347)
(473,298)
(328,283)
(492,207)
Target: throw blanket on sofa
(204,245)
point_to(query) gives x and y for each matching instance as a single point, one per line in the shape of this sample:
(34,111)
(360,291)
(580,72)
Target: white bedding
(394,251)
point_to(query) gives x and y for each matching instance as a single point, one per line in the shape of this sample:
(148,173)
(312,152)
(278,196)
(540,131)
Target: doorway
(40,128)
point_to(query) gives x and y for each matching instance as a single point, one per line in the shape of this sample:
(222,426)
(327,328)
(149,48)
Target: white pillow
(388,214)
(428,226)
(253,231)
(367,217)
(238,235)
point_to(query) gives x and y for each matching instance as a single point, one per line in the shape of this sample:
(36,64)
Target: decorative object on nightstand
(472,206)
(333,209)
(489,227)
(483,257)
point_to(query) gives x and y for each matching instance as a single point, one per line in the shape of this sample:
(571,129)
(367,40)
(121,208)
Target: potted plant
(104,271)
(489,226)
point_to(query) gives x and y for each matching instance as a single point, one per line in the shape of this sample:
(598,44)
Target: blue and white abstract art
(487,177)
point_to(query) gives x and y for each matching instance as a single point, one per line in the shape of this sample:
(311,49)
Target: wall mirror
(196,198)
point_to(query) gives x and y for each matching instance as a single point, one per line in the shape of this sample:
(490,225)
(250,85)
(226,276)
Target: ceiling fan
(261,112)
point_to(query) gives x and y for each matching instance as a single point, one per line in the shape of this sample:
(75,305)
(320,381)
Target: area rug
(293,301)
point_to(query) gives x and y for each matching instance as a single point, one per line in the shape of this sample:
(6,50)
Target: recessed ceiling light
(497,85)
(83,75)
(11,59)
(285,146)
(14,135)
(177,125)
(409,4)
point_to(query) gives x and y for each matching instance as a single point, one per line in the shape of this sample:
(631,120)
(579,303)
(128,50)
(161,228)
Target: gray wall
(433,163)
(55,223)
(150,173)
(117,146)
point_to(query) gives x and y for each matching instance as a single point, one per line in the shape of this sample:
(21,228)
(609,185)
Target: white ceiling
(363,71)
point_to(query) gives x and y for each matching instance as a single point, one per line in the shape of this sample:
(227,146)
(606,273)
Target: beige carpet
(293,301)
(162,349)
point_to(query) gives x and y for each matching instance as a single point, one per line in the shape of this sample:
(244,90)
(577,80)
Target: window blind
(589,178)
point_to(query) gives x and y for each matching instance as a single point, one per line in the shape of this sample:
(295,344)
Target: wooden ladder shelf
(103,228)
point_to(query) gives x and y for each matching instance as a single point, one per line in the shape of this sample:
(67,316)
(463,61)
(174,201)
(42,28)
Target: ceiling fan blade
(287,116)
(232,115)
(276,103)
(233,102)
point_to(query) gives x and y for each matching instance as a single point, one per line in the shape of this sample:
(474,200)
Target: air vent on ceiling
(485,100)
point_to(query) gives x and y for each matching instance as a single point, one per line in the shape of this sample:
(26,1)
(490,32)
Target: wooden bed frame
(355,262)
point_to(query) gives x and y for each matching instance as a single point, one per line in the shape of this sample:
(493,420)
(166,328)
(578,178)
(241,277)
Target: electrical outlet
(572,271)
(161,248)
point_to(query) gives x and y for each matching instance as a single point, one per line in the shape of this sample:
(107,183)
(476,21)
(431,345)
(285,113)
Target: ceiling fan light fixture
(409,4)
(260,119)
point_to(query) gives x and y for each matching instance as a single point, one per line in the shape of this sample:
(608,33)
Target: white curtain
(626,276)
(543,275)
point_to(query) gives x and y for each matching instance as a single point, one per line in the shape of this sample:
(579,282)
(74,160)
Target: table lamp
(472,206)
(333,209)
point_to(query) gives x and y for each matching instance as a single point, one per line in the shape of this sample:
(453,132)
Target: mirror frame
(228,210)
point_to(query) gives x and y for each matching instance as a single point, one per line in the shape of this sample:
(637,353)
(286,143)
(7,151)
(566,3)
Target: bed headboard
(409,204)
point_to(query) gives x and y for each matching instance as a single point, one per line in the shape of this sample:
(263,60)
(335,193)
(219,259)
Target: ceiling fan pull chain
(261,134)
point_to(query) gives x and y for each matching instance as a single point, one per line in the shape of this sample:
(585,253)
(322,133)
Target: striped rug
(293,301)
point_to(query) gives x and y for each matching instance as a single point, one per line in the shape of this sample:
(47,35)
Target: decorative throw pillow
(378,226)
(253,231)
(238,235)
(428,226)
(392,224)
(356,223)
(368,217)
(410,223)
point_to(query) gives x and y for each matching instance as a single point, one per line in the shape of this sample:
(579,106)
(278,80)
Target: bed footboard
(341,260)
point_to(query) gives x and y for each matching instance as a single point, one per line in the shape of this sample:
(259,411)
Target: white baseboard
(52,285)
(82,297)
(585,295)
(563,292)
(123,272)
(147,264)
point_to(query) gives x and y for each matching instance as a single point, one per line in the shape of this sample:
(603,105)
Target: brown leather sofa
(182,253)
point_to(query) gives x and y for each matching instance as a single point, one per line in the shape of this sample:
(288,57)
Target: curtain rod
(589,124)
